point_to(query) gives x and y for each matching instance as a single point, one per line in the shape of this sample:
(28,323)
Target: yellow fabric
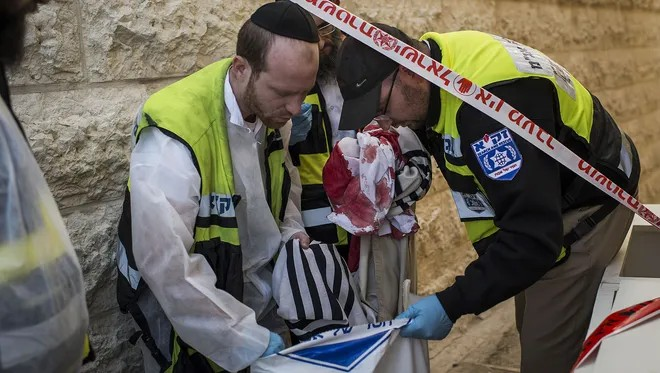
(192,110)
(486,61)
(483,59)
(276,163)
(480,229)
(176,350)
(311,165)
(19,258)
(87,348)
(342,236)
(311,168)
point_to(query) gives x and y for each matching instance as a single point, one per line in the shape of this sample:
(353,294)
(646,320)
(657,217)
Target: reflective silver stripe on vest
(452,145)
(529,60)
(132,275)
(473,206)
(216,204)
(625,155)
(316,217)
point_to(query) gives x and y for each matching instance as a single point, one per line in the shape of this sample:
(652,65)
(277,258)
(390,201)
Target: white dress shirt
(334,102)
(165,195)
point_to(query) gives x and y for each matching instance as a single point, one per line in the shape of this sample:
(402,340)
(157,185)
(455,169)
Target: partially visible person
(43,315)
(315,132)
(208,203)
(542,233)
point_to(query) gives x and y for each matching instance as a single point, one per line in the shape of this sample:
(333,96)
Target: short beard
(251,96)
(328,63)
(252,104)
(417,101)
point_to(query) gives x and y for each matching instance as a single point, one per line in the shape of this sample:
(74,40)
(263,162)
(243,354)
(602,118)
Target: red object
(354,255)
(389,137)
(336,169)
(343,188)
(616,323)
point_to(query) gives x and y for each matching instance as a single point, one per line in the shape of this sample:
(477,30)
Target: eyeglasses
(387,103)
(326,29)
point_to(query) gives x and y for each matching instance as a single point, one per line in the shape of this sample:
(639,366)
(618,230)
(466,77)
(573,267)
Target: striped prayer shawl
(413,179)
(314,290)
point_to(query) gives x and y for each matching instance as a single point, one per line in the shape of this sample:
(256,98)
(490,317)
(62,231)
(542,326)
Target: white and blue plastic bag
(362,348)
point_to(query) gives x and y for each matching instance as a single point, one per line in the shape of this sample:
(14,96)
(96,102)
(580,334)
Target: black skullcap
(286,19)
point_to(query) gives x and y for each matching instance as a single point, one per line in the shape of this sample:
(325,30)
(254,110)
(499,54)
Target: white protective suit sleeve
(164,205)
(292,223)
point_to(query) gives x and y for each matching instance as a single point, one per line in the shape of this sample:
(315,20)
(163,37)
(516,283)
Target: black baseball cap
(360,72)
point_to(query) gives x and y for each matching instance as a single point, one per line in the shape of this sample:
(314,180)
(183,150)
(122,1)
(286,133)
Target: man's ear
(241,68)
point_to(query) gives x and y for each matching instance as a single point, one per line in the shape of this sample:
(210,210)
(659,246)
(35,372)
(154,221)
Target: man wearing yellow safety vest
(315,132)
(542,234)
(43,315)
(209,200)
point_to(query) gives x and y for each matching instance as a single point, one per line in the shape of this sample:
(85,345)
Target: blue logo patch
(498,155)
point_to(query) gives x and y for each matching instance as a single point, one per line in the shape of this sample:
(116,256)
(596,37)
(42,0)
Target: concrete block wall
(88,65)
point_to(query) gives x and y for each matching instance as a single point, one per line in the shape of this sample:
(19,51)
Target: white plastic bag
(352,349)
(43,316)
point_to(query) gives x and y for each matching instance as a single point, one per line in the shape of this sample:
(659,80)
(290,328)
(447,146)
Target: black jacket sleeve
(527,208)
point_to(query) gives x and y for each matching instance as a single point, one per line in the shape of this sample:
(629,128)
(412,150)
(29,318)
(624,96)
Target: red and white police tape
(481,99)
(616,323)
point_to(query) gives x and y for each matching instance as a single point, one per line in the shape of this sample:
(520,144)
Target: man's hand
(303,238)
(428,320)
(301,124)
(275,345)
(384,122)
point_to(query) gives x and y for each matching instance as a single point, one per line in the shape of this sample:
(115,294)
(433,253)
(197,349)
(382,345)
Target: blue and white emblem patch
(498,155)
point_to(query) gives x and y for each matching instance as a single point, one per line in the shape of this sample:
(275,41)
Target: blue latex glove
(275,345)
(301,124)
(428,320)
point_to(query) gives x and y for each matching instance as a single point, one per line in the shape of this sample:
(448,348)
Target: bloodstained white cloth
(373,181)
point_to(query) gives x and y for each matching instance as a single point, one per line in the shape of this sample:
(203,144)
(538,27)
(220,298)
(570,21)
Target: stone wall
(89,64)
